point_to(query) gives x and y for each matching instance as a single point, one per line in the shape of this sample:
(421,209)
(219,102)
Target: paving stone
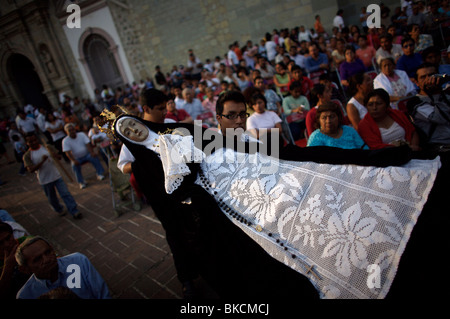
(130,251)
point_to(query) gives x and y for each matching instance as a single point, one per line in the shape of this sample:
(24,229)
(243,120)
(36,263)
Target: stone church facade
(121,41)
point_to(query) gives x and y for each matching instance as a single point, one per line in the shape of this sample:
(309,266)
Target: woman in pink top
(365,52)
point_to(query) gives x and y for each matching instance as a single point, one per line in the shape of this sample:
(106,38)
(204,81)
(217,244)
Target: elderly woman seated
(395,82)
(331,131)
(384,127)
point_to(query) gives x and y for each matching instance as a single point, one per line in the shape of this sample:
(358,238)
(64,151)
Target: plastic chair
(375,65)
(401,104)
(372,74)
(205,115)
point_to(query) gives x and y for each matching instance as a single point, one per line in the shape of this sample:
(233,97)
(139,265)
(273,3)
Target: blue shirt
(312,65)
(92,285)
(194,109)
(409,64)
(349,139)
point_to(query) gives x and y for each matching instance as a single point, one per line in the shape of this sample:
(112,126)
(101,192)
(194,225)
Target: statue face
(133,129)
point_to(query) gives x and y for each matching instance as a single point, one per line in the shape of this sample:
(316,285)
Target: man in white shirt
(26,124)
(154,105)
(78,148)
(387,49)
(152,112)
(338,21)
(233,60)
(38,159)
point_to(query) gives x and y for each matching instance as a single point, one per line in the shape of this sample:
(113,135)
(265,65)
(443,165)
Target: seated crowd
(368,89)
(296,71)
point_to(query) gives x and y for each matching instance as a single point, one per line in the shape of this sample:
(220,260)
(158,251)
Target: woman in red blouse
(383,126)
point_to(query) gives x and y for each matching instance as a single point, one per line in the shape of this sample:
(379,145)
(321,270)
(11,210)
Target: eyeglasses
(234,116)
(408,45)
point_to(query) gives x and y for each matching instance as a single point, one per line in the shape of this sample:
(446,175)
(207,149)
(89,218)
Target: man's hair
(258,96)
(234,96)
(258,78)
(295,85)
(407,39)
(296,67)
(410,27)
(426,52)
(60,292)
(5,228)
(29,134)
(386,36)
(30,240)
(66,127)
(152,97)
(324,77)
(425,65)
(349,47)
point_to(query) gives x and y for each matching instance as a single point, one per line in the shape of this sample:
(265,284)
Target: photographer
(430,109)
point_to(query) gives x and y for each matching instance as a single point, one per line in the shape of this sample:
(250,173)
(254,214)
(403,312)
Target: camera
(443,78)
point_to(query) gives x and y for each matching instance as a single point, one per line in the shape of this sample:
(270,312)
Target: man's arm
(125,160)
(28,163)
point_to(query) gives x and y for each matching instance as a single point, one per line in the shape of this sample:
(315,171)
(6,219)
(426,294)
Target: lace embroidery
(328,222)
(176,151)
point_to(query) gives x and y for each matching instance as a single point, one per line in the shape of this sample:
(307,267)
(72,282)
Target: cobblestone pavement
(130,251)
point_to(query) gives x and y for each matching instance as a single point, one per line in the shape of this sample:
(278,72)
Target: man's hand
(298,110)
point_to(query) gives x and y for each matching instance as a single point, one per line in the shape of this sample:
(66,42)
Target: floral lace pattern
(175,152)
(338,220)
(332,223)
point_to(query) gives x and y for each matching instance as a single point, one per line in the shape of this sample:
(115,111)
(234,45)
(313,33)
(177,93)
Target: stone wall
(161,32)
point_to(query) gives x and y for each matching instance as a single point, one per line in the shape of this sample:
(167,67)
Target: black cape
(237,267)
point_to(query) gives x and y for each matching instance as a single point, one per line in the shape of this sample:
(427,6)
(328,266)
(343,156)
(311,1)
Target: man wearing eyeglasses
(409,61)
(231,113)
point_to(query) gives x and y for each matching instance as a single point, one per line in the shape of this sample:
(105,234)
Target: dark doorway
(27,81)
(101,62)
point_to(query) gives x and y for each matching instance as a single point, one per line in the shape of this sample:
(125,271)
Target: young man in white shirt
(78,148)
(338,21)
(38,159)
(26,124)
(262,119)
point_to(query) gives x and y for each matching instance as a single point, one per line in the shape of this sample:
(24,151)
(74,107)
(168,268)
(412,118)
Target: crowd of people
(354,88)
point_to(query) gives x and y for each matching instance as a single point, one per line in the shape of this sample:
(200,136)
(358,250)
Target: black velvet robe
(205,242)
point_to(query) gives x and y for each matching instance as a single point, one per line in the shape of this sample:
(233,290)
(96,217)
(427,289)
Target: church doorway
(26,81)
(101,62)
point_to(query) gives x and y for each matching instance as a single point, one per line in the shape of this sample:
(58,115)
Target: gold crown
(108,118)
